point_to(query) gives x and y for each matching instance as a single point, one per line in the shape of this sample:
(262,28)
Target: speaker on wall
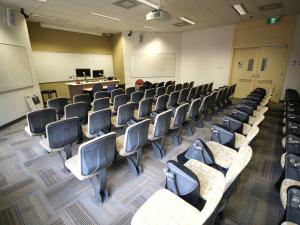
(10,17)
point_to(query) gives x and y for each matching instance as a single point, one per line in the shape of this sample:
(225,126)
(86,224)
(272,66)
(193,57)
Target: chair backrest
(168,83)
(154,85)
(162,123)
(178,87)
(204,104)
(145,107)
(150,93)
(240,162)
(99,121)
(148,84)
(100,103)
(240,115)
(205,89)
(137,96)
(125,113)
(185,85)
(136,136)
(161,84)
(194,107)
(97,154)
(38,120)
(199,91)
(170,89)
(191,84)
(79,109)
(222,135)
(232,124)
(245,108)
(62,133)
(173,99)
(212,99)
(160,91)
(142,88)
(129,90)
(192,93)
(185,183)
(115,92)
(180,114)
(161,103)
(58,104)
(82,98)
(210,87)
(96,88)
(101,94)
(120,100)
(183,95)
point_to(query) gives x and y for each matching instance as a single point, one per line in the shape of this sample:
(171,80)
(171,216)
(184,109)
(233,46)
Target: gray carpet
(35,189)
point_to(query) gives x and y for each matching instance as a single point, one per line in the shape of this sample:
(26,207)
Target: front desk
(77,88)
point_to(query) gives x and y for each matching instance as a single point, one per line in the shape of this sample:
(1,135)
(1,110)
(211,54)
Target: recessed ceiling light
(149,3)
(240,9)
(105,16)
(42,0)
(50,18)
(151,28)
(187,20)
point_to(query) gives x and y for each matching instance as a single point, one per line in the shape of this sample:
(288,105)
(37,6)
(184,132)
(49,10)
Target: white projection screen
(15,72)
(152,65)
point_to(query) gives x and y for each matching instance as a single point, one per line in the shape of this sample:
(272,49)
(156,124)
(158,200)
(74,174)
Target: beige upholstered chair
(166,208)
(235,163)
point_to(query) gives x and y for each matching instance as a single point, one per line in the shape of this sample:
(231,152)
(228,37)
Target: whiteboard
(152,65)
(15,72)
(56,67)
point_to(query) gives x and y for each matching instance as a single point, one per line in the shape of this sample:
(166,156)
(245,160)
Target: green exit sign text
(273,20)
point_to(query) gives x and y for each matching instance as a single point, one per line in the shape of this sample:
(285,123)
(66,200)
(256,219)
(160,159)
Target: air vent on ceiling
(270,6)
(181,24)
(126,4)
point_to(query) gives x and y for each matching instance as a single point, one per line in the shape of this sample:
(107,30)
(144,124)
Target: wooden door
(270,69)
(243,70)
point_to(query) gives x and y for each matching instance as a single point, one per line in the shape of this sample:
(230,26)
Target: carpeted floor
(34,188)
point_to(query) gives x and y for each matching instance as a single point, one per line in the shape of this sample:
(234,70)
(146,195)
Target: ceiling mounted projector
(158,14)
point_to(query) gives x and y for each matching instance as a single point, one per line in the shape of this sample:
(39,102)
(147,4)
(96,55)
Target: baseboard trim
(11,123)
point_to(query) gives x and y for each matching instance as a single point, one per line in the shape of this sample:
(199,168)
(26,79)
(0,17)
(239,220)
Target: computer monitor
(98,73)
(83,72)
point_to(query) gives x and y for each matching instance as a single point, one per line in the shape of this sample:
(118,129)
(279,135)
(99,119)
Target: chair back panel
(62,133)
(38,120)
(97,154)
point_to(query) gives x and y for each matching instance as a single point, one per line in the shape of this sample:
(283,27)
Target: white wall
(206,55)
(13,104)
(152,43)
(292,76)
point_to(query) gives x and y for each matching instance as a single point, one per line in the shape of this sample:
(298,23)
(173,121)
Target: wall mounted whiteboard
(15,72)
(152,65)
(56,67)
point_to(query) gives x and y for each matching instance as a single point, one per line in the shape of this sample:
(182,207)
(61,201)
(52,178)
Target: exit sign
(273,20)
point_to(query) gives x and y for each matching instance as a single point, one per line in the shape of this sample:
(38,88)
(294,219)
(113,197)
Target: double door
(258,67)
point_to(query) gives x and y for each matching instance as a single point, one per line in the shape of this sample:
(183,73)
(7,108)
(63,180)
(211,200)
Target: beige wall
(50,40)
(118,60)
(258,33)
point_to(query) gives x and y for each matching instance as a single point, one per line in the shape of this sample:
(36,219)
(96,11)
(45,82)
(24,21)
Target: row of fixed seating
(201,181)
(62,134)
(289,182)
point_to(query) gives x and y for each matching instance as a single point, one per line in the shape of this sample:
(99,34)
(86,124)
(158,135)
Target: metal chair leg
(134,163)
(99,183)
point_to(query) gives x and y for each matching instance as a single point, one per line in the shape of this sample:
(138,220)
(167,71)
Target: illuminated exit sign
(273,20)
